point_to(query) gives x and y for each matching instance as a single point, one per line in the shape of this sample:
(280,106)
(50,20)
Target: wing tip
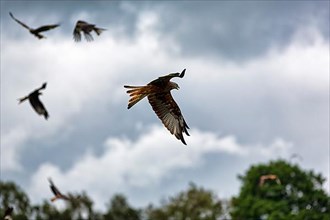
(182,73)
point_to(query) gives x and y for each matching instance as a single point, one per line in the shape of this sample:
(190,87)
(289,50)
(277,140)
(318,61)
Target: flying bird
(35,101)
(8,213)
(35,32)
(263,178)
(86,28)
(57,193)
(159,95)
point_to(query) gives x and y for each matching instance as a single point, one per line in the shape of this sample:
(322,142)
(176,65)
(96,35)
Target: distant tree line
(297,195)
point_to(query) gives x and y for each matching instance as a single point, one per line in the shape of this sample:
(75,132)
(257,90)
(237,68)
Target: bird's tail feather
(136,93)
(98,31)
(53,199)
(22,99)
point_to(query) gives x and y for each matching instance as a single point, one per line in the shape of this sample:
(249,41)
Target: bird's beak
(178,87)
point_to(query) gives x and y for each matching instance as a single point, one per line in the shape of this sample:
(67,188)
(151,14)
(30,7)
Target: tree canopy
(195,203)
(276,190)
(298,194)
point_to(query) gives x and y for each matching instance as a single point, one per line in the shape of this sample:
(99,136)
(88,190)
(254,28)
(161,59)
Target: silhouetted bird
(159,95)
(8,213)
(263,178)
(57,193)
(86,28)
(35,32)
(35,101)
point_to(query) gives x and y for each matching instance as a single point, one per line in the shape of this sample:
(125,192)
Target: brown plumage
(8,213)
(35,101)
(263,178)
(57,193)
(35,32)
(159,95)
(86,28)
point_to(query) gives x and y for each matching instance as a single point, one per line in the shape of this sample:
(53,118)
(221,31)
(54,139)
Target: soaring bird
(35,101)
(86,28)
(8,213)
(35,32)
(57,193)
(263,178)
(159,95)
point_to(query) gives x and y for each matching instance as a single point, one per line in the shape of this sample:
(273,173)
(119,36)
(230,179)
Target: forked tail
(136,93)
(98,31)
(20,100)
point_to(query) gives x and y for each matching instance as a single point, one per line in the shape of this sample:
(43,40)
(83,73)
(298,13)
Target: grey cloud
(238,30)
(232,30)
(251,103)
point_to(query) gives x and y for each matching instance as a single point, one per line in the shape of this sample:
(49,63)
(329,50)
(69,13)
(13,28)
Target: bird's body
(263,178)
(86,28)
(56,192)
(162,102)
(36,32)
(35,102)
(8,213)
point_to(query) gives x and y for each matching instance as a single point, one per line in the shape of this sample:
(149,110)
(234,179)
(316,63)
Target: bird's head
(173,85)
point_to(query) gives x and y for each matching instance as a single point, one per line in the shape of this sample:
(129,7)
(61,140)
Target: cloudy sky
(256,89)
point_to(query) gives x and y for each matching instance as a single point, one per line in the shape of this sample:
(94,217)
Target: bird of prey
(159,95)
(263,178)
(8,213)
(35,101)
(86,28)
(35,32)
(57,193)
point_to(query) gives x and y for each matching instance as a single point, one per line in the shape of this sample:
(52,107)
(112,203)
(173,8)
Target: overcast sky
(256,89)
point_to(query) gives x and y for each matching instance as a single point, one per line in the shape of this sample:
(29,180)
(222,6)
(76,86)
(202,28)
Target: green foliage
(193,204)
(299,196)
(12,195)
(119,209)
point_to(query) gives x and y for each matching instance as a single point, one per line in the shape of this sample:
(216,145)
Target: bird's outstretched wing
(8,213)
(76,35)
(88,36)
(165,79)
(18,21)
(169,113)
(263,178)
(53,187)
(46,28)
(38,106)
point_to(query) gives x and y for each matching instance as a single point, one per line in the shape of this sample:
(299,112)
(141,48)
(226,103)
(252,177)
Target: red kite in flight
(159,95)
(35,101)
(57,193)
(263,178)
(35,32)
(86,28)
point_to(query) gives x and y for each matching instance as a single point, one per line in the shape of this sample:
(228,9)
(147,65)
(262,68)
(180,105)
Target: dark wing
(46,28)
(77,34)
(9,211)
(37,104)
(54,188)
(88,36)
(169,113)
(163,80)
(18,21)
(43,86)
